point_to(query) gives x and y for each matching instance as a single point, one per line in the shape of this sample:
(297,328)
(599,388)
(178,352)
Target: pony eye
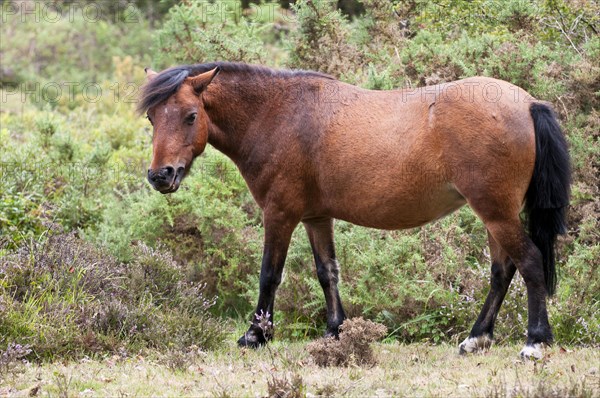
(191,118)
(150,120)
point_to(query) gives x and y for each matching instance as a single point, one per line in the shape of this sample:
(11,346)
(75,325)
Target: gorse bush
(57,174)
(68,44)
(199,31)
(321,40)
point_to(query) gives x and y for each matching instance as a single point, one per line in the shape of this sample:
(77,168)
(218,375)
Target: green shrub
(198,31)
(74,165)
(573,322)
(321,39)
(74,48)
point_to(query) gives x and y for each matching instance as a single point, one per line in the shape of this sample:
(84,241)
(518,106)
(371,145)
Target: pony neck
(232,104)
(249,109)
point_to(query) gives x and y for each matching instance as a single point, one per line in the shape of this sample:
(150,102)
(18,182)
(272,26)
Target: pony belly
(398,211)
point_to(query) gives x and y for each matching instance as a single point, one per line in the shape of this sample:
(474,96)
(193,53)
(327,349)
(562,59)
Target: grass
(66,299)
(402,370)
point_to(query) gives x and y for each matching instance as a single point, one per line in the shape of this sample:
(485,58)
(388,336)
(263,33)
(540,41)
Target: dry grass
(402,370)
(352,348)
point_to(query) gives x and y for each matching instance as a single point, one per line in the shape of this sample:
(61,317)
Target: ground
(402,370)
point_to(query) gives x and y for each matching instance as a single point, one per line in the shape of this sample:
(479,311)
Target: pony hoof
(329,334)
(252,339)
(474,344)
(534,352)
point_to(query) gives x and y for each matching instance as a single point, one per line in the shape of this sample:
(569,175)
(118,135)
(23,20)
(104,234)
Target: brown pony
(313,149)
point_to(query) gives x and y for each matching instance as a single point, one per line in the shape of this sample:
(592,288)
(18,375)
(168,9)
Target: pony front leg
(278,233)
(320,234)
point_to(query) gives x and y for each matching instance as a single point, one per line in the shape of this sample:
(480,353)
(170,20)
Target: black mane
(167,82)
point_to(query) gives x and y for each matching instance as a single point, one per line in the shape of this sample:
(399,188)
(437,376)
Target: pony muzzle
(166,179)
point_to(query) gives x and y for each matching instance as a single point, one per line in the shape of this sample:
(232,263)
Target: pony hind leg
(320,234)
(527,258)
(503,270)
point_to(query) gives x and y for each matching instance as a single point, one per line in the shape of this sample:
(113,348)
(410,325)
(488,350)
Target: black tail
(548,193)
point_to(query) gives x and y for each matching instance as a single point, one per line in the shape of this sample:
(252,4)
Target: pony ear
(201,81)
(150,74)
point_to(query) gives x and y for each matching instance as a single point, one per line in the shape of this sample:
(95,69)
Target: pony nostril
(151,175)
(162,178)
(180,170)
(162,175)
(169,171)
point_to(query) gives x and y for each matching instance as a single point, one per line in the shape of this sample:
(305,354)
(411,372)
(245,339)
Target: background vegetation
(93,261)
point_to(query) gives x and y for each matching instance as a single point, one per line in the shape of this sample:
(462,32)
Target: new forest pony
(313,149)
